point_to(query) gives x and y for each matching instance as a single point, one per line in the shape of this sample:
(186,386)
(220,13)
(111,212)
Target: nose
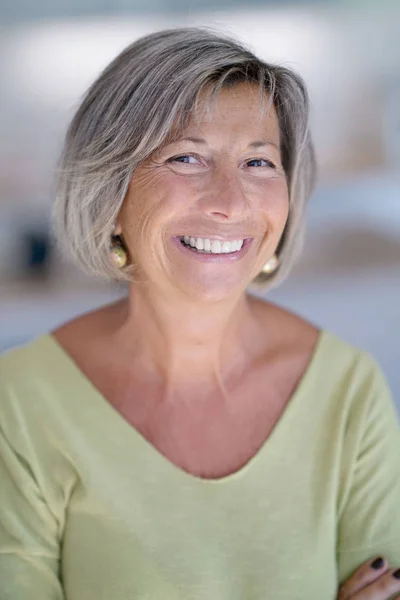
(225,199)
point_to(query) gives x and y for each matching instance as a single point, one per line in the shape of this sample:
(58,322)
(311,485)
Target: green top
(90,510)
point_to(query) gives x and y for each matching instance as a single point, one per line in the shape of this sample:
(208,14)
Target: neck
(187,342)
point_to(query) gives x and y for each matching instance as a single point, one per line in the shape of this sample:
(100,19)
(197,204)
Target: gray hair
(144,94)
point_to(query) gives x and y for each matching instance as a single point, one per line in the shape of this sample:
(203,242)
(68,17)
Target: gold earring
(271,265)
(118,254)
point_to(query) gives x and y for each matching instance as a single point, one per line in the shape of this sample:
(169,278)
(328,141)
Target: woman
(191,441)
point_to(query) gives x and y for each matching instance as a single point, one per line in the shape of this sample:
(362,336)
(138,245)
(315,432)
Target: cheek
(141,200)
(177,192)
(132,217)
(274,201)
(152,201)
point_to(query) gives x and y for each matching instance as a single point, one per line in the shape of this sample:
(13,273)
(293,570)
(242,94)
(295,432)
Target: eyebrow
(202,142)
(261,144)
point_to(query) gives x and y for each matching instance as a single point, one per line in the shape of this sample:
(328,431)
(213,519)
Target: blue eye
(267,163)
(184,159)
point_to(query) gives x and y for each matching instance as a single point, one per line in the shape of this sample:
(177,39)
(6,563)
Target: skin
(372,583)
(191,318)
(214,364)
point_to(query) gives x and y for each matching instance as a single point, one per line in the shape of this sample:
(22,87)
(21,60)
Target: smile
(219,251)
(207,245)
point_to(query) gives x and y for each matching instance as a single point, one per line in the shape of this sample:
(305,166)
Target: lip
(214,258)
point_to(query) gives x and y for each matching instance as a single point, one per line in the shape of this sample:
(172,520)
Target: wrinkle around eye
(175,159)
(186,168)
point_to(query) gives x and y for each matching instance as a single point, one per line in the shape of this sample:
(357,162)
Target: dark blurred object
(37,256)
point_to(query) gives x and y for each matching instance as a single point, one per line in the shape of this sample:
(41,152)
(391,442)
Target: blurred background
(348,279)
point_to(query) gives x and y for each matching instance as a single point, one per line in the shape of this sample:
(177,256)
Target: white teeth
(213,246)
(207,245)
(216,247)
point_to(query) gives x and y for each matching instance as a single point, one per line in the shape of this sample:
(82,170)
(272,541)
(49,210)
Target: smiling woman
(192,441)
(163,100)
(214,185)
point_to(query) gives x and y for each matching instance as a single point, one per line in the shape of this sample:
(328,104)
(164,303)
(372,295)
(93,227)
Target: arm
(29,550)
(369,500)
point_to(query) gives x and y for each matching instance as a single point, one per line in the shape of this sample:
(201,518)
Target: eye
(260,162)
(186,159)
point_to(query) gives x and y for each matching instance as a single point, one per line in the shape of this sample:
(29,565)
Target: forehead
(244,98)
(243,106)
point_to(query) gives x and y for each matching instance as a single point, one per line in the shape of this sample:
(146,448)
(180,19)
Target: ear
(117,229)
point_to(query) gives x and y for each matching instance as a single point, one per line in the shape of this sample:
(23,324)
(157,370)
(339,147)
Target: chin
(216,291)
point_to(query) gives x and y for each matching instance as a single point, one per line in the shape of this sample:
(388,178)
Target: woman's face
(221,181)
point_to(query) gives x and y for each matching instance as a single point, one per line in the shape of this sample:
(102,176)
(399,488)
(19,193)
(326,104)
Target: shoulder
(35,419)
(26,397)
(345,383)
(25,368)
(81,337)
(32,381)
(24,360)
(283,331)
(335,363)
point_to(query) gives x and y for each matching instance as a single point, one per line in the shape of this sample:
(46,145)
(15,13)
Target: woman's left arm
(369,508)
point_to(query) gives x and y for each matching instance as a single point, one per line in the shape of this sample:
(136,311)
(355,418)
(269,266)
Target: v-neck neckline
(127,430)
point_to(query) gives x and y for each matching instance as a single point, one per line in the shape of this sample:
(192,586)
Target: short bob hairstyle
(145,93)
